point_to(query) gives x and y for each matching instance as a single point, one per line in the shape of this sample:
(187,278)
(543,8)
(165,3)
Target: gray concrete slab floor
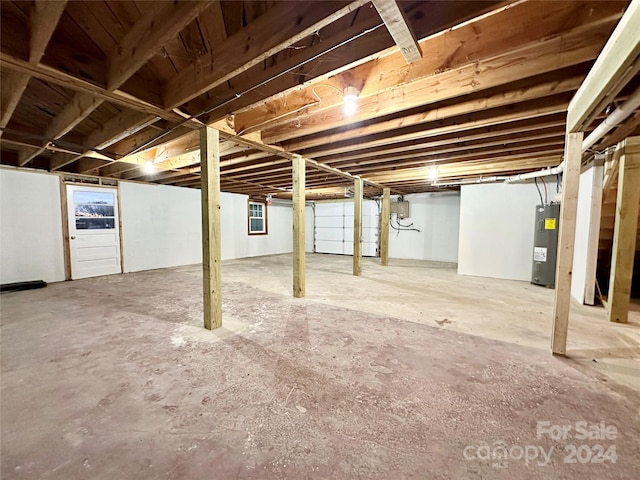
(409,371)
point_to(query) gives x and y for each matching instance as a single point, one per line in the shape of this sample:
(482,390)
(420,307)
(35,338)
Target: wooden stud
(625,231)
(357,226)
(384,226)
(395,21)
(66,247)
(211,238)
(298,172)
(566,235)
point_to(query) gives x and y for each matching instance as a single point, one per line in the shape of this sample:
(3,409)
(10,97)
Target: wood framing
(357,226)
(616,65)
(399,30)
(298,172)
(211,234)
(625,231)
(566,235)
(66,247)
(384,226)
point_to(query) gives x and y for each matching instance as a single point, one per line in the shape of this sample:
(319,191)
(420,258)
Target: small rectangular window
(257,218)
(94,210)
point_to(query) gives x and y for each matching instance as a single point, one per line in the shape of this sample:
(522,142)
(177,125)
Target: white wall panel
(437,216)
(497,223)
(585,253)
(161,226)
(30,227)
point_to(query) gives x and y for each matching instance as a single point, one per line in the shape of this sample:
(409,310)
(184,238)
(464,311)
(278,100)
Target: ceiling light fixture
(433,173)
(350,97)
(149,168)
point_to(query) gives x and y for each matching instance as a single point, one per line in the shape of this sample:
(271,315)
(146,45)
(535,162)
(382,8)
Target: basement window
(257,218)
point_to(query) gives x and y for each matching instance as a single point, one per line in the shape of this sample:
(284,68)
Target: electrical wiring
(535,180)
(546,194)
(401,227)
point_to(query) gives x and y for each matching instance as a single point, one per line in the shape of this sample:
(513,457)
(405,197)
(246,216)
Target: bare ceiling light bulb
(350,98)
(433,173)
(149,168)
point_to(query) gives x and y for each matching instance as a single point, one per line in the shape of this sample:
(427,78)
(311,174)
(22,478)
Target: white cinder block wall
(161,227)
(30,227)
(497,223)
(437,216)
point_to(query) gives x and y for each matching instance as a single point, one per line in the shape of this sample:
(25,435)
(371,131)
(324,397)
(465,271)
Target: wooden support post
(211,245)
(298,169)
(384,226)
(66,247)
(624,231)
(566,235)
(357,227)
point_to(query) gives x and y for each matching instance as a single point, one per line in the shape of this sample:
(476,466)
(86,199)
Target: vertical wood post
(357,227)
(298,171)
(624,231)
(384,225)
(566,236)
(66,247)
(211,239)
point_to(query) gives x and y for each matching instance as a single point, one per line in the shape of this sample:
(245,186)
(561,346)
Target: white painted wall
(585,253)
(161,226)
(30,227)
(237,243)
(437,216)
(497,223)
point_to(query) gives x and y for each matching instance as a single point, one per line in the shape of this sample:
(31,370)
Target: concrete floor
(409,371)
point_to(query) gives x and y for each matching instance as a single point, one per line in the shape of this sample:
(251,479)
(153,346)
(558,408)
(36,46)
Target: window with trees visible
(257,218)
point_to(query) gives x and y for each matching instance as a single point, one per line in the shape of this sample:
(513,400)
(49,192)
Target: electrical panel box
(545,245)
(401,209)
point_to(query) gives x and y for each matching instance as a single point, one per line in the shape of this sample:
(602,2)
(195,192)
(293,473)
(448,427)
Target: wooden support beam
(625,231)
(286,24)
(13,86)
(566,235)
(615,66)
(298,178)
(211,235)
(148,35)
(514,98)
(43,21)
(119,127)
(384,226)
(396,22)
(475,61)
(357,226)
(58,77)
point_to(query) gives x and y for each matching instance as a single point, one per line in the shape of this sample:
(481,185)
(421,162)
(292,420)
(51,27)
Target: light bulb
(149,168)
(433,173)
(350,97)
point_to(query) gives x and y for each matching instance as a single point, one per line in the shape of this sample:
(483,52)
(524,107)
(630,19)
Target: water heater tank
(545,245)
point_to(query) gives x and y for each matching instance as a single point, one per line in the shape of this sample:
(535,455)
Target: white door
(334,227)
(94,236)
